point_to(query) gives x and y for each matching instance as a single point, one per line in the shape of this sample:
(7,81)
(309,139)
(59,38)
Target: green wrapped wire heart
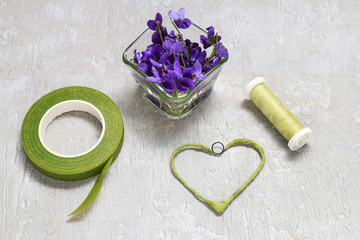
(220,207)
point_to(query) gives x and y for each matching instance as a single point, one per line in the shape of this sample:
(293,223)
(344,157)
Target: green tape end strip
(94,190)
(219,207)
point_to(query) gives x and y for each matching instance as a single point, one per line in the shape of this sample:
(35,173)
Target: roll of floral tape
(73,167)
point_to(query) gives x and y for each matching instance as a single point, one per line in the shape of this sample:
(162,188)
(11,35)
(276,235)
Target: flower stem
(158,27)
(175,26)
(212,54)
(176,93)
(186,50)
(183,60)
(216,37)
(182,40)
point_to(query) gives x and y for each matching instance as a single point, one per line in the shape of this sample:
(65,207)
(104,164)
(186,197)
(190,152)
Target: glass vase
(173,107)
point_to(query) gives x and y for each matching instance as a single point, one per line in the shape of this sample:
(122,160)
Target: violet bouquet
(174,62)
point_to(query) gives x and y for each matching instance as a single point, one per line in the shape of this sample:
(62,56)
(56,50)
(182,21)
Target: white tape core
(251,85)
(69,106)
(300,139)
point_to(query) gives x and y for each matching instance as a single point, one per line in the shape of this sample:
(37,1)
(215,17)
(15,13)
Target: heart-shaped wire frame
(220,207)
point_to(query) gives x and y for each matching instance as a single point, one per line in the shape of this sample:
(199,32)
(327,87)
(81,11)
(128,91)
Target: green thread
(283,120)
(220,207)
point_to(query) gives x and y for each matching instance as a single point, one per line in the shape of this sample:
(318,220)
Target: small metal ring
(222,150)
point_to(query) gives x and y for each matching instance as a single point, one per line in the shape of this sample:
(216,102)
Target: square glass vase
(173,107)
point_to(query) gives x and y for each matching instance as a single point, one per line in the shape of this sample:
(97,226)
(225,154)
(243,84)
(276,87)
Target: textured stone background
(309,51)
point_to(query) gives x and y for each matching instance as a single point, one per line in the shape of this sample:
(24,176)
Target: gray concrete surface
(309,51)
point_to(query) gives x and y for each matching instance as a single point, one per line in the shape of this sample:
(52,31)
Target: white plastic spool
(64,107)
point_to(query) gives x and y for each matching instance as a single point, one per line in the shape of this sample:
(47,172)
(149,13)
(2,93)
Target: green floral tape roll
(74,167)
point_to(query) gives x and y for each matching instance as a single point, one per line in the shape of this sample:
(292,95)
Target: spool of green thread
(283,120)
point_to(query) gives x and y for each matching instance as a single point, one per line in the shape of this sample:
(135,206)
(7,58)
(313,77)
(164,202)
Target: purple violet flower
(179,18)
(171,37)
(196,54)
(215,60)
(156,49)
(204,41)
(156,38)
(137,57)
(173,47)
(211,33)
(211,37)
(156,78)
(168,84)
(182,83)
(152,24)
(194,72)
(144,67)
(172,34)
(155,63)
(166,57)
(146,55)
(165,82)
(221,50)
(160,31)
